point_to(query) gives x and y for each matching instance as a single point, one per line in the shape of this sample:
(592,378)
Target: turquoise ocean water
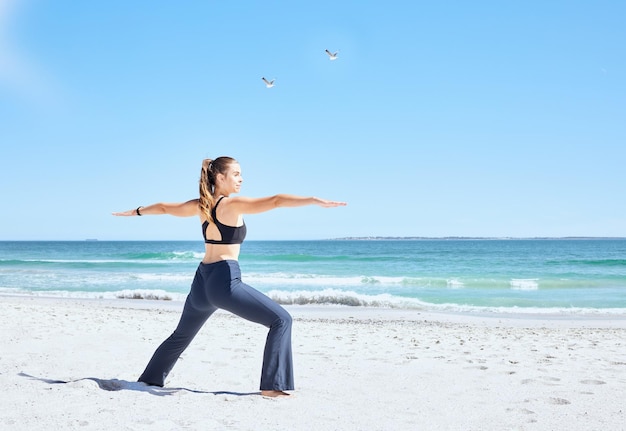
(529,276)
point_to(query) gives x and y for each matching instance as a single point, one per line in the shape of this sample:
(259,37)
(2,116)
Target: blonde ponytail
(206,189)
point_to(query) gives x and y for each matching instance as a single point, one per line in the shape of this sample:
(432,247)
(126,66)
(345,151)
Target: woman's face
(232,179)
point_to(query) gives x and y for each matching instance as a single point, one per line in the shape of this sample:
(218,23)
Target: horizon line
(347,238)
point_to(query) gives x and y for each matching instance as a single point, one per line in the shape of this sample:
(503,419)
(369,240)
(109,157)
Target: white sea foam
(524,284)
(120,294)
(346,298)
(169,277)
(340,297)
(188,255)
(330,297)
(282,279)
(145,294)
(525,311)
(455,284)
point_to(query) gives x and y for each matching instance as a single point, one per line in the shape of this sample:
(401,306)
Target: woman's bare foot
(274,394)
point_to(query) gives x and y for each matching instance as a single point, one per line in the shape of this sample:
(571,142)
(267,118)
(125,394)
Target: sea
(562,276)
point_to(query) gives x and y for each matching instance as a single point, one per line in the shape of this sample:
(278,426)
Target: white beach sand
(355,369)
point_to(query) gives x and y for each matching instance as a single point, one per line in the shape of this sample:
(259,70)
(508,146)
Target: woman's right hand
(330,204)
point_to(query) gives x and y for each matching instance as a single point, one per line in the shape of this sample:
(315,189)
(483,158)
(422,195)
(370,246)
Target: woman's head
(211,169)
(213,172)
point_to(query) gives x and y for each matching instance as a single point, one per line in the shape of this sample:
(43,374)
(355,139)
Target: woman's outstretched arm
(179,209)
(246,205)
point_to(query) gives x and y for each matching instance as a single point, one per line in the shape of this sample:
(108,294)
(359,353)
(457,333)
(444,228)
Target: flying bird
(332,56)
(268,84)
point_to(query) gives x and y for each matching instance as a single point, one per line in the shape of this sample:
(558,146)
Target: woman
(217,283)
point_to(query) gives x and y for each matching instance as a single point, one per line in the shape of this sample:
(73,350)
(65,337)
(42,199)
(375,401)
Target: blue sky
(450,118)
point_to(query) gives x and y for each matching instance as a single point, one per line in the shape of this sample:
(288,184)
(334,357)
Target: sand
(73,364)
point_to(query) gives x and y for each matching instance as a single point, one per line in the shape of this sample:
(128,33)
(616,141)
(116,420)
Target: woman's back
(222,241)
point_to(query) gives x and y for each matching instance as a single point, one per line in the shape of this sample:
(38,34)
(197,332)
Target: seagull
(268,84)
(332,56)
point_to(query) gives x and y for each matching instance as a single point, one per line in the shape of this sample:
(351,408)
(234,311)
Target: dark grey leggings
(218,285)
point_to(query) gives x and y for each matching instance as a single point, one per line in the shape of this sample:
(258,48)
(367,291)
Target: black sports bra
(230,234)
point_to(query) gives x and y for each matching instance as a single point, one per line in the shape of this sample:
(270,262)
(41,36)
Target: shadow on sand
(125,385)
